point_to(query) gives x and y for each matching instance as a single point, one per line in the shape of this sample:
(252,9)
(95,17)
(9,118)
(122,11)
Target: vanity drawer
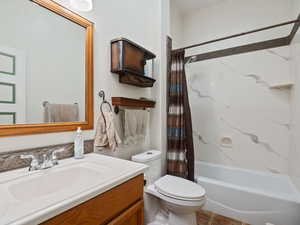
(132,216)
(103,208)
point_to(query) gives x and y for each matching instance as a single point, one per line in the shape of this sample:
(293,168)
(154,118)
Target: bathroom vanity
(93,191)
(123,205)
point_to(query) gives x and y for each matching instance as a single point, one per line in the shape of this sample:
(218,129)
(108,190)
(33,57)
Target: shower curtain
(180,149)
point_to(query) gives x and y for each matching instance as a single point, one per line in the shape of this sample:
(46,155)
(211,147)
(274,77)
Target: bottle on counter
(78,145)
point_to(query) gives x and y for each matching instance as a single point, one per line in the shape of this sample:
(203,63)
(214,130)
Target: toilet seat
(179,188)
(151,189)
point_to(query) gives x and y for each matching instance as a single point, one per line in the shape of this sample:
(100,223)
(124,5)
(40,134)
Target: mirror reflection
(42,65)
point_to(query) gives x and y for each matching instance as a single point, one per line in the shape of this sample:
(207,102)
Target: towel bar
(132,103)
(46,102)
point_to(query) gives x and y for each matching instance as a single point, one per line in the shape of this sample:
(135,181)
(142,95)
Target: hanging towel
(106,133)
(135,126)
(61,113)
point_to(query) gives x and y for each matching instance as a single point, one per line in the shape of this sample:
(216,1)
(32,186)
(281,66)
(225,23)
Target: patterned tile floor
(209,218)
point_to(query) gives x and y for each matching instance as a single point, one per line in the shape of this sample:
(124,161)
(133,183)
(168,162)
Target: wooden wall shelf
(130,102)
(136,80)
(128,59)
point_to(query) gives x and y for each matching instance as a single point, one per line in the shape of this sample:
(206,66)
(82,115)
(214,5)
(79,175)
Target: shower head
(191,59)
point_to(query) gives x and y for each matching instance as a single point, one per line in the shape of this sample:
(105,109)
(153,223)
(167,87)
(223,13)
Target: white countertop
(30,198)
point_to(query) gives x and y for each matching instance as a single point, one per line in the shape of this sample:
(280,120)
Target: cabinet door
(132,216)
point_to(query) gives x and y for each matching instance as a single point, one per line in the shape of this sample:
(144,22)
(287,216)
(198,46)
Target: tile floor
(209,218)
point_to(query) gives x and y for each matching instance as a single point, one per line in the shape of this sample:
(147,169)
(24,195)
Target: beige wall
(176,26)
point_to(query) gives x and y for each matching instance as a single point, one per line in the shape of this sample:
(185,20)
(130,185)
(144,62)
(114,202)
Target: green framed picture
(7,118)
(7,93)
(7,64)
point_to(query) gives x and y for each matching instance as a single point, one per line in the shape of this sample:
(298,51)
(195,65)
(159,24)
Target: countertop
(24,197)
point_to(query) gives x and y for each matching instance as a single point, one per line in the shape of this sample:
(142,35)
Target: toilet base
(182,219)
(161,218)
(174,219)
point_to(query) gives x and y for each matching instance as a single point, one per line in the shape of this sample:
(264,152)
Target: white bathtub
(253,197)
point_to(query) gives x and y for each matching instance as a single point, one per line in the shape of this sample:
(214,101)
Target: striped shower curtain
(180,152)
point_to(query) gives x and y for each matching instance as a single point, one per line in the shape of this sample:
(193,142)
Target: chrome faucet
(34,165)
(49,160)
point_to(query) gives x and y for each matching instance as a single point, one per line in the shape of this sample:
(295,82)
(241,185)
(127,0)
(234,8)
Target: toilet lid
(179,188)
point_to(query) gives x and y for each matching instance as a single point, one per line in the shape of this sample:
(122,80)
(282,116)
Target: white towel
(135,126)
(61,113)
(106,133)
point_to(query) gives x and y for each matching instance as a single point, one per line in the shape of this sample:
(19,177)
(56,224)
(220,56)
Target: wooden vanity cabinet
(122,205)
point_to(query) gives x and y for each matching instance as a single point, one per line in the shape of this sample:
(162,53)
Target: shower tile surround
(11,160)
(231,98)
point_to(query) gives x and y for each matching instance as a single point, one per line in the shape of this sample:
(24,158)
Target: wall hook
(102,95)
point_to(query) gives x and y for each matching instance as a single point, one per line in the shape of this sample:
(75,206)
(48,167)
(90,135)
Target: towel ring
(45,103)
(102,95)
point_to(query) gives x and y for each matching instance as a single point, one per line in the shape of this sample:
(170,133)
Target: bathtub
(253,197)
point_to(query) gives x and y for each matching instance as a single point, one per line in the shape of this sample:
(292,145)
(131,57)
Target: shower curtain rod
(241,34)
(262,45)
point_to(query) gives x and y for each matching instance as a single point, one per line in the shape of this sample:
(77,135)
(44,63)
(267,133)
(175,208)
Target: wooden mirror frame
(29,129)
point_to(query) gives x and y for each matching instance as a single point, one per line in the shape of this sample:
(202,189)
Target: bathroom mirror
(46,68)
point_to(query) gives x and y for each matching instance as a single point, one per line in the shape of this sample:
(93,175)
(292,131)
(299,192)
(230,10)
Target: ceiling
(187,5)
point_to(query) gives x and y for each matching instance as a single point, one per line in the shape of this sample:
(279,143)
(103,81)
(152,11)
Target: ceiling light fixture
(82,5)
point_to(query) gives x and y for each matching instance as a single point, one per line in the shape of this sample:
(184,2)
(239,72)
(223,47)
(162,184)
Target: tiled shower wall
(294,169)
(232,98)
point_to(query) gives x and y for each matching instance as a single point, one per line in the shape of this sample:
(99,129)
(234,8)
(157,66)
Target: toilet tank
(151,158)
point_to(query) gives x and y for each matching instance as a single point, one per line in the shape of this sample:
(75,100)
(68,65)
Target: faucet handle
(54,157)
(34,165)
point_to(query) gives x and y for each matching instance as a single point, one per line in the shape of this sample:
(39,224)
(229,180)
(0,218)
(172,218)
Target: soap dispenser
(78,145)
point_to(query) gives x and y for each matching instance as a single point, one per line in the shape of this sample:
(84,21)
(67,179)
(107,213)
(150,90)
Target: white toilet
(181,198)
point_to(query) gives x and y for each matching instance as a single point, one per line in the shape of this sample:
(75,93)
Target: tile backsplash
(11,160)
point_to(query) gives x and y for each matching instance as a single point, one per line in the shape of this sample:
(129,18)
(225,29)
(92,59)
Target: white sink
(32,187)
(29,198)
